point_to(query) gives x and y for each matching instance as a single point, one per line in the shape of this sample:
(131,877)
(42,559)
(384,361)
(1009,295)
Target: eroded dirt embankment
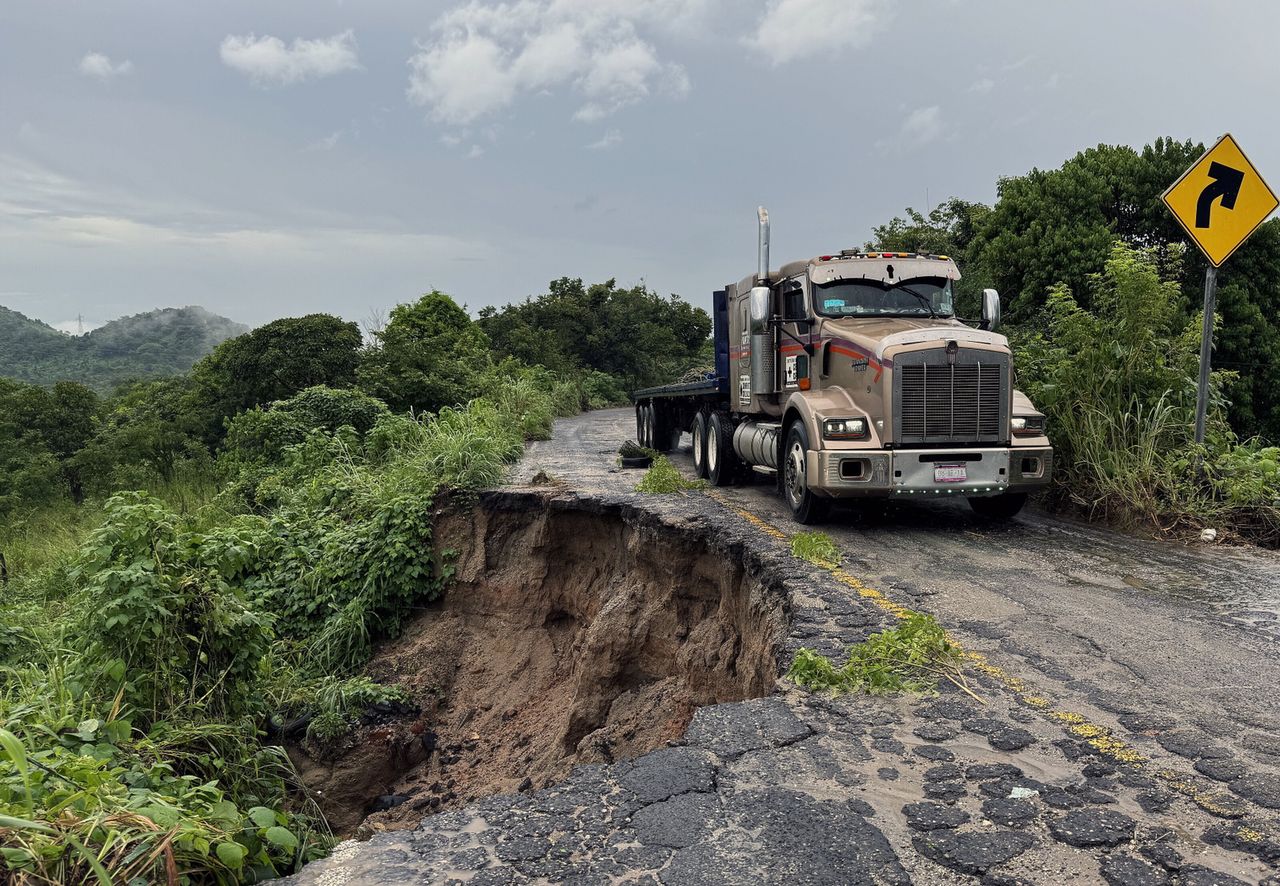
(571,634)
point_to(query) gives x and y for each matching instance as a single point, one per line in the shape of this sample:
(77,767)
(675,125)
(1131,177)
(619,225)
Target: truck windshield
(920,296)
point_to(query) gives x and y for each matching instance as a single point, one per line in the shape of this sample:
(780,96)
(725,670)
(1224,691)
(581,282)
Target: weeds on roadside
(910,657)
(664,478)
(816,547)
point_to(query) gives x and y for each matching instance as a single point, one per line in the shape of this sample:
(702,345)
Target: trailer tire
(999,507)
(722,461)
(699,432)
(806,507)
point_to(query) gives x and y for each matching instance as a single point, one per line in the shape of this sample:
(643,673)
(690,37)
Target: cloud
(268,61)
(95,64)
(606,141)
(792,29)
(328,142)
(483,57)
(921,126)
(983,86)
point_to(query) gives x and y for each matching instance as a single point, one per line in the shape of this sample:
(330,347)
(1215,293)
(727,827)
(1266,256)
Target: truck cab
(849,375)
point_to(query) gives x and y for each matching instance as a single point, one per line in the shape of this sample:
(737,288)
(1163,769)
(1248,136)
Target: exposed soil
(568,637)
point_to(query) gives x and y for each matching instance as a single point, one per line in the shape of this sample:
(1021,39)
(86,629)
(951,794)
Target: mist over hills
(156,343)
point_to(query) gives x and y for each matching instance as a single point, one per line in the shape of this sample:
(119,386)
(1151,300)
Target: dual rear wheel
(713,455)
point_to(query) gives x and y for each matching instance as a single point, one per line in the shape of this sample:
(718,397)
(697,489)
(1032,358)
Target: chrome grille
(941,402)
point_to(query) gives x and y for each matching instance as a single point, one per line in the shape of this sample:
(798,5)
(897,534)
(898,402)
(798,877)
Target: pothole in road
(567,637)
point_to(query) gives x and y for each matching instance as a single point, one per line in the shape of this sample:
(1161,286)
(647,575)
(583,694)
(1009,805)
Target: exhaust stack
(762,272)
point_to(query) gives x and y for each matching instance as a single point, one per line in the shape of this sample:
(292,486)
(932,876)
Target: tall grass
(1118,386)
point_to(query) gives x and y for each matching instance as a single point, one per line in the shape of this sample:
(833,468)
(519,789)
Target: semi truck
(849,376)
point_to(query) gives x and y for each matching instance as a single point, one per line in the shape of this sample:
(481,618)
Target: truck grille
(940,402)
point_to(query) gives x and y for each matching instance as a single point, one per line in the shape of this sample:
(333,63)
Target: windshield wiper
(924,300)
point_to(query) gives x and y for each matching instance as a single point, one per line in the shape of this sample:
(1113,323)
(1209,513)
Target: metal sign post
(1206,347)
(1219,201)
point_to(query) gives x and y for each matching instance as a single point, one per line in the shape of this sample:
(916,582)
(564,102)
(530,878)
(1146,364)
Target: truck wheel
(646,426)
(722,461)
(806,507)
(699,431)
(999,507)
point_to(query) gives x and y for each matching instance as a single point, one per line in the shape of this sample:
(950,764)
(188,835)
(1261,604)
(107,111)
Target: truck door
(792,354)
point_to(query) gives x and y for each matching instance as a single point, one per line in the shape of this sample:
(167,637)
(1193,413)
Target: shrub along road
(1126,731)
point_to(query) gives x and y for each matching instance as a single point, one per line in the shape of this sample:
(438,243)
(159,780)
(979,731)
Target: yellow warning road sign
(1221,200)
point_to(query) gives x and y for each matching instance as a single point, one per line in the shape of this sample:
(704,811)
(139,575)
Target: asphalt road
(1136,622)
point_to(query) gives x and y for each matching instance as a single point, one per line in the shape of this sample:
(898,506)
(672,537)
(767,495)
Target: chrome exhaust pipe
(762,273)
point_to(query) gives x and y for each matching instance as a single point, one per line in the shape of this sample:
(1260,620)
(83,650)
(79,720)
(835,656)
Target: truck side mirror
(990,309)
(759,307)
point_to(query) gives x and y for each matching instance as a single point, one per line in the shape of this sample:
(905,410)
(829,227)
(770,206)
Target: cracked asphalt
(1127,730)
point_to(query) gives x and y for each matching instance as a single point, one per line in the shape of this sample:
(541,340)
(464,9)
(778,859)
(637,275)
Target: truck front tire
(722,461)
(999,507)
(699,432)
(806,507)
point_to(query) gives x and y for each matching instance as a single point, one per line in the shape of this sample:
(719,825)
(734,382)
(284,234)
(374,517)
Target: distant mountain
(157,343)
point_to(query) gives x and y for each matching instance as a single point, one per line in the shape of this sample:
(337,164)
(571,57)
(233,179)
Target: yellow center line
(1101,738)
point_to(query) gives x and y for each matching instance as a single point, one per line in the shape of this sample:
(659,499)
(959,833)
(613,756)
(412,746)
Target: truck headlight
(1028,425)
(844,428)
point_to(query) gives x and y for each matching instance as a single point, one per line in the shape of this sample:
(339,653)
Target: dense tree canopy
(429,355)
(274,362)
(635,335)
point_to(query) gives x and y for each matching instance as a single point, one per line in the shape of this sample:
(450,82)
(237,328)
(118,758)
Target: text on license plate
(950,474)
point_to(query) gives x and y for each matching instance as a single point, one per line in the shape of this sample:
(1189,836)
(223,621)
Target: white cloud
(792,29)
(483,57)
(608,140)
(95,64)
(267,60)
(922,125)
(328,142)
(983,86)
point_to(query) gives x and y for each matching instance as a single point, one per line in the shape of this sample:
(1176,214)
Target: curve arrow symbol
(1226,185)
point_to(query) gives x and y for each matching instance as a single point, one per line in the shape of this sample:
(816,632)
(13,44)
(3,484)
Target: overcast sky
(267,159)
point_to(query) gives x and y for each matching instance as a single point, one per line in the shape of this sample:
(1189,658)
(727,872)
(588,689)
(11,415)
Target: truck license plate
(950,474)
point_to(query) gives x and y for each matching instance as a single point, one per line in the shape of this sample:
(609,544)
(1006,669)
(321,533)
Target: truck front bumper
(929,472)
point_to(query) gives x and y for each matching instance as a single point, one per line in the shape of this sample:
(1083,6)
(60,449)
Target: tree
(429,355)
(274,362)
(635,335)
(56,422)
(948,230)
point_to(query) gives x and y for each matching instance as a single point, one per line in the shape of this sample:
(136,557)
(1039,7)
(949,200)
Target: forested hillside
(150,345)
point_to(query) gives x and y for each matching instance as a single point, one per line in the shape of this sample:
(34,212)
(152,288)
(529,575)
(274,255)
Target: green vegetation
(664,478)
(154,344)
(621,339)
(193,572)
(910,657)
(816,547)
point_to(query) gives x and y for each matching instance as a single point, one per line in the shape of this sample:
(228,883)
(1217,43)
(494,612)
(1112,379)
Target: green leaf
(282,837)
(262,816)
(231,854)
